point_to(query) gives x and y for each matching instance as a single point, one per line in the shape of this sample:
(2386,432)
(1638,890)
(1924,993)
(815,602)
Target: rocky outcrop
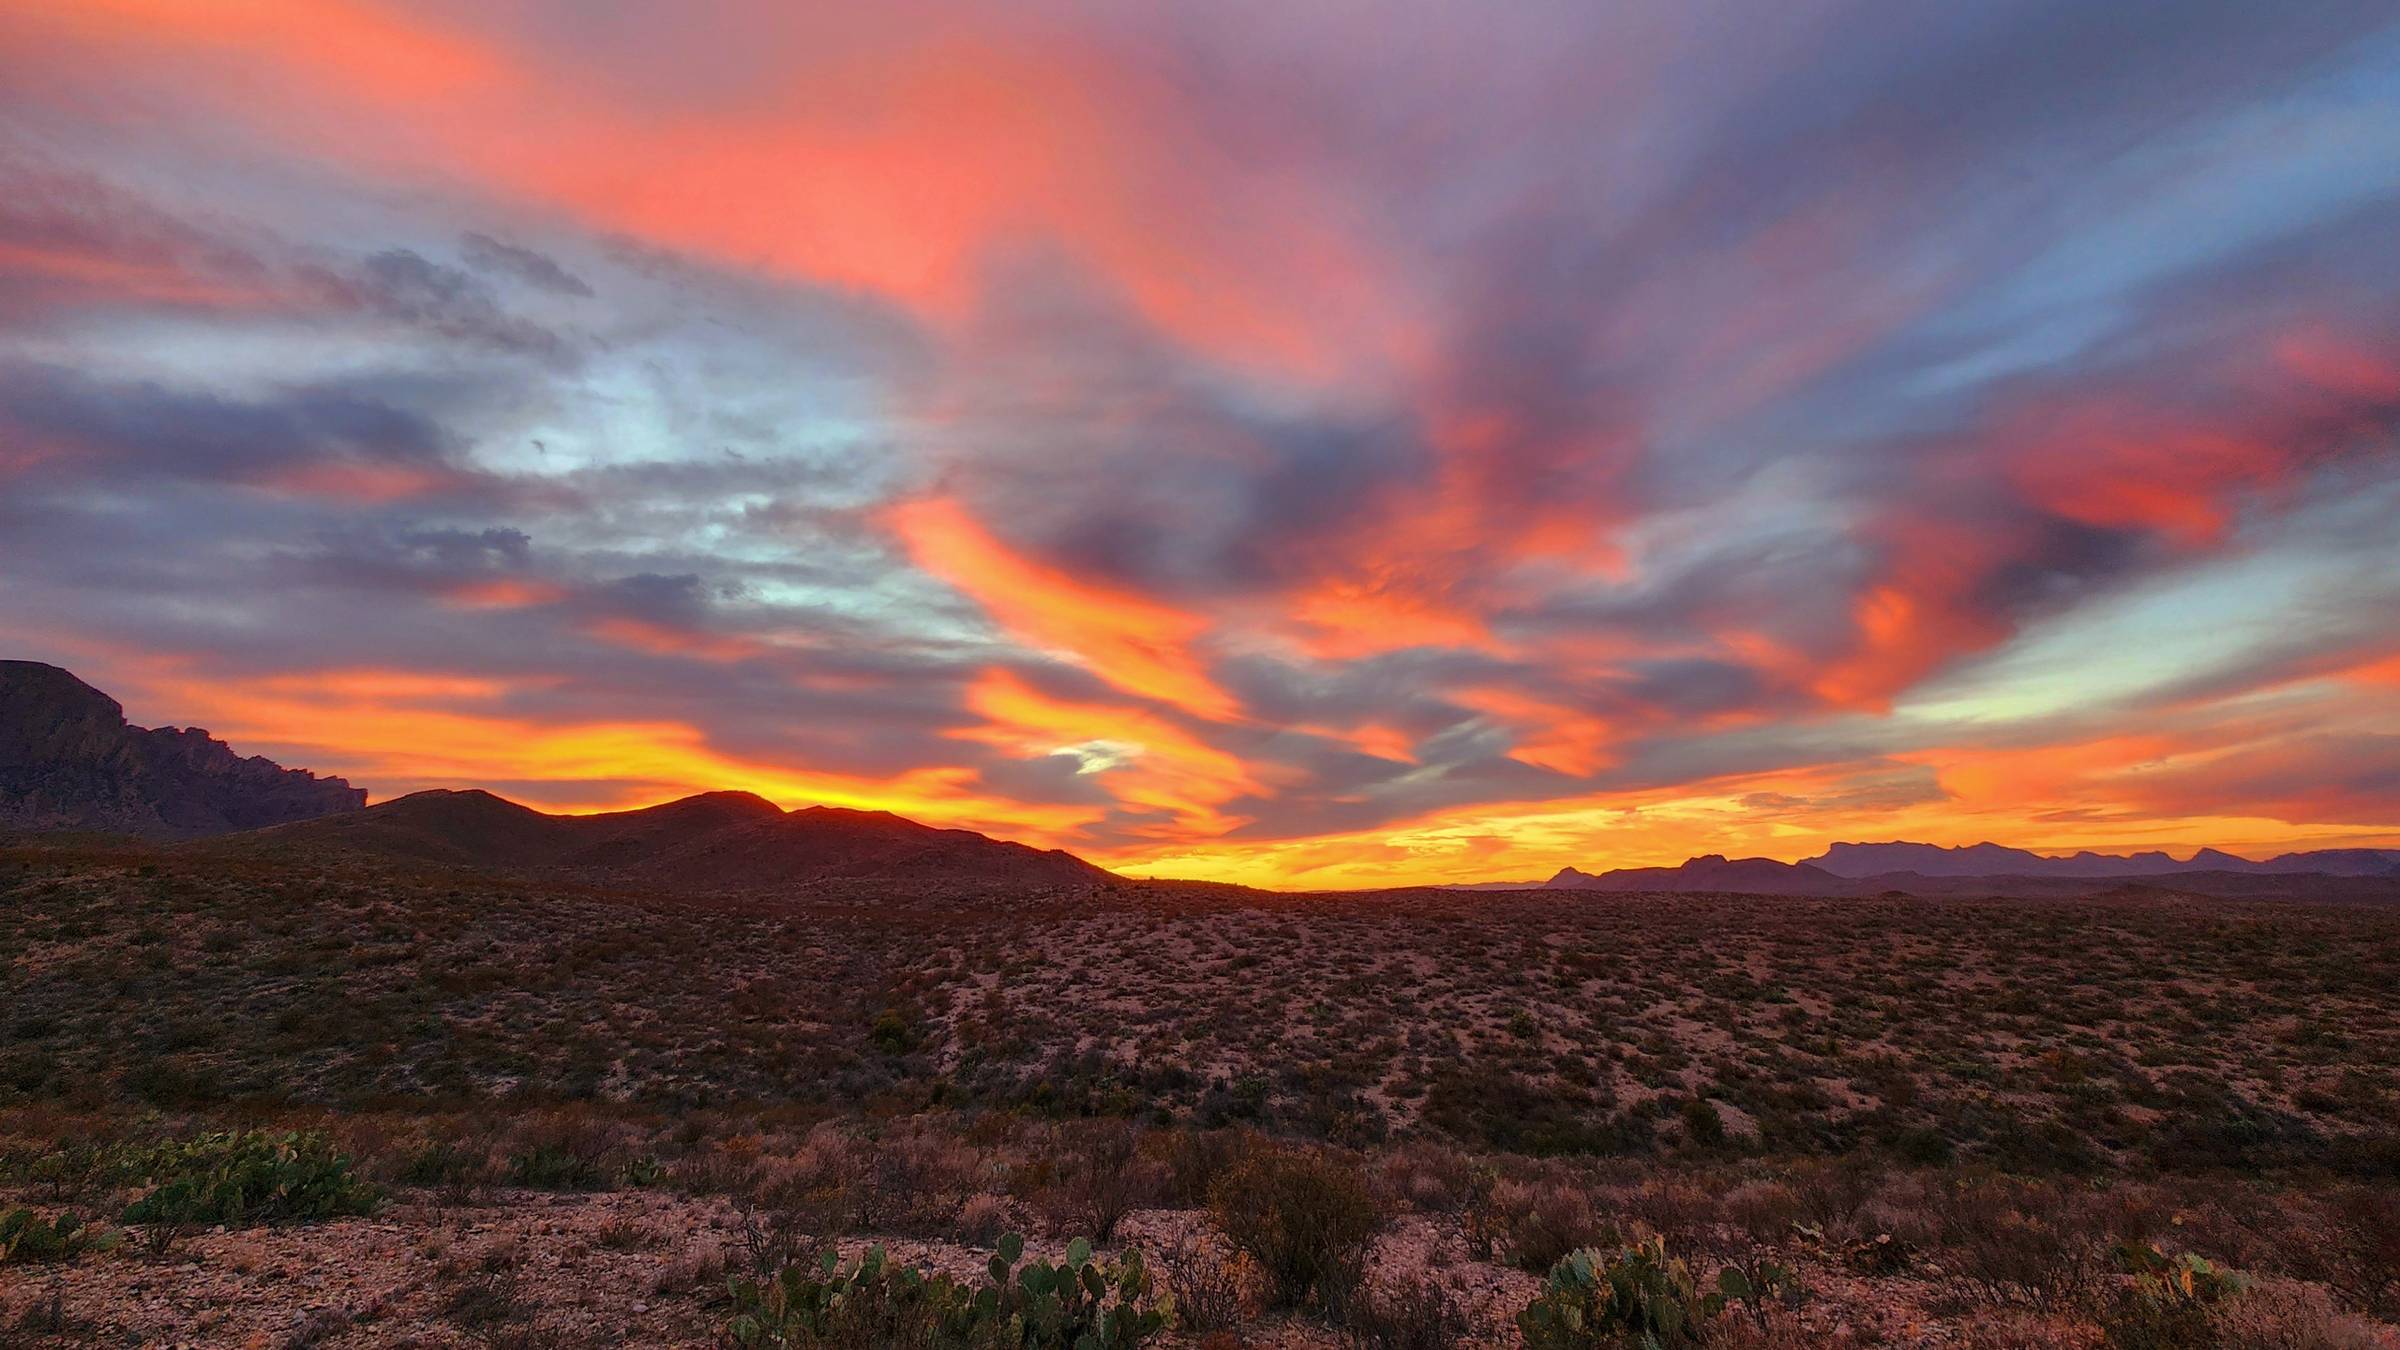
(70,761)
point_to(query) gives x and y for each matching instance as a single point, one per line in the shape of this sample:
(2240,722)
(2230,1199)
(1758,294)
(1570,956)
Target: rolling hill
(716,841)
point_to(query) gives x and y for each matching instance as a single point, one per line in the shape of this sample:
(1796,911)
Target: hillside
(717,841)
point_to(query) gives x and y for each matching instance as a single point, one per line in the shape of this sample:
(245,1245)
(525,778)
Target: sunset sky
(1326,444)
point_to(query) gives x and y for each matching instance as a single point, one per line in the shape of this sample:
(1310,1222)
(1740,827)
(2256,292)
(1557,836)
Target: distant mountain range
(1929,869)
(70,761)
(1992,860)
(717,841)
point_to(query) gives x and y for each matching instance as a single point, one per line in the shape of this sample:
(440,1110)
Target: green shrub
(892,1033)
(27,1239)
(869,1304)
(1702,1126)
(1641,1297)
(1077,1304)
(1073,1305)
(2170,1303)
(1304,1218)
(244,1179)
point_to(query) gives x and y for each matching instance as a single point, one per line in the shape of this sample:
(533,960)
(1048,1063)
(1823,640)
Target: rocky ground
(642,1268)
(647,1269)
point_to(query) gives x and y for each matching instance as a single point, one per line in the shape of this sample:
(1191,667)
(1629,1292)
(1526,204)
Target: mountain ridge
(1989,859)
(711,841)
(1709,872)
(1927,869)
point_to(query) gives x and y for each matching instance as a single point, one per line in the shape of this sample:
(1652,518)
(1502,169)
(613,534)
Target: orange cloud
(659,639)
(982,138)
(1361,613)
(343,51)
(352,481)
(1151,764)
(2134,468)
(2381,671)
(2002,778)
(1549,735)
(1922,612)
(2330,361)
(68,269)
(1139,645)
(1383,742)
(503,593)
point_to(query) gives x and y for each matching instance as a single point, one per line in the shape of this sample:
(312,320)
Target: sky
(1322,445)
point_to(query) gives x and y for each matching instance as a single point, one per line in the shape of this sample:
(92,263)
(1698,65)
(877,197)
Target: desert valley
(447,1071)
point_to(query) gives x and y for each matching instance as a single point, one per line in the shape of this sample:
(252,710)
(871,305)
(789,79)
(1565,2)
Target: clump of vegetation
(242,1179)
(2171,1302)
(892,1032)
(1407,1314)
(552,1167)
(444,1165)
(28,1239)
(1076,1304)
(1536,1225)
(1304,1218)
(1642,1297)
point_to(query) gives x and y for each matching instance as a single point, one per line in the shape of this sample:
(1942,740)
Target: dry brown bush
(2035,1244)
(1539,1221)
(1406,1311)
(1306,1217)
(2280,1314)
(1215,1290)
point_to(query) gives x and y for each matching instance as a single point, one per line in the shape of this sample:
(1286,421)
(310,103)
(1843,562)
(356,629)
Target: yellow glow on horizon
(403,731)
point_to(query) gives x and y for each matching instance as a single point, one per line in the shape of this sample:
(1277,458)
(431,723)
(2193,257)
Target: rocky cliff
(70,761)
